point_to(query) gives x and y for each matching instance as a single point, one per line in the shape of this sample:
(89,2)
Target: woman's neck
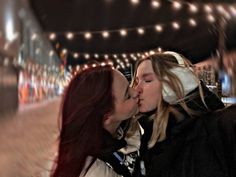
(112,128)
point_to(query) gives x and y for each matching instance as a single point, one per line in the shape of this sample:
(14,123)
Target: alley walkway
(28,140)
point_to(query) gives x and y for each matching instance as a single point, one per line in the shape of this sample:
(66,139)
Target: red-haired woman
(97,105)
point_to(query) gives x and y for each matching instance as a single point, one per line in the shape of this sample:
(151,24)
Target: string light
(96,55)
(134,2)
(87,56)
(156,4)
(106,56)
(34,36)
(94,65)
(175,25)
(192,22)
(52,36)
(207,8)
(51,53)
(159,49)
(158,28)
(87,35)
(124,55)
(76,55)
(64,51)
(193,8)
(177,5)
(233,10)
(103,64)
(105,34)
(123,32)
(140,31)
(70,35)
(211,18)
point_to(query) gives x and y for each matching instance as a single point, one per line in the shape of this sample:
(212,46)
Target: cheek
(127,110)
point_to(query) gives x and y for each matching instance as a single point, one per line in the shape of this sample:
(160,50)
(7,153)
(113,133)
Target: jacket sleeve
(101,169)
(227,126)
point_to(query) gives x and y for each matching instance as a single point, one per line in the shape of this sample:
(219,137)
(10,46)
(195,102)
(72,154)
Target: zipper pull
(142,168)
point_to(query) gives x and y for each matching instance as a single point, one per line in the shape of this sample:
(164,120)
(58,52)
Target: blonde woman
(183,134)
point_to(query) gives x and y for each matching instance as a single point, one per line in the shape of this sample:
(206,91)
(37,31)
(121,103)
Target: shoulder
(224,121)
(100,168)
(226,116)
(227,119)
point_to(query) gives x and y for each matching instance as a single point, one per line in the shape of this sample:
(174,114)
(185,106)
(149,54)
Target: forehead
(145,68)
(119,81)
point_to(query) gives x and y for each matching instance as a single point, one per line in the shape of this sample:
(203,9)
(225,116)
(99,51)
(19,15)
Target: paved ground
(28,140)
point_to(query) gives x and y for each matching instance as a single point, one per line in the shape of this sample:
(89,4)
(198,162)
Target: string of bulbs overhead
(211,10)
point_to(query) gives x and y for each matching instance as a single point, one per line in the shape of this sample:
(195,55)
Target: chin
(143,110)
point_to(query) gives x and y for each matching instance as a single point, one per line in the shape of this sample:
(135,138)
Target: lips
(139,102)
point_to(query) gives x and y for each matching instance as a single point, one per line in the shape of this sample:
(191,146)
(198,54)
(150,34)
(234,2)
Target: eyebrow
(147,74)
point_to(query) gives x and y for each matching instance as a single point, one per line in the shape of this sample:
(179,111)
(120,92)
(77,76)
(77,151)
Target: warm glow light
(103,64)
(70,35)
(156,4)
(177,5)
(52,36)
(115,56)
(87,35)
(176,25)
(192,22)
(105,34)
(124,55)
(64,51)
(159,49)
(110,63)
(232,10)
(140,31)
(193,8)
(96,55)
(220,8)
(158,28)
(123,32)
(151,52)
(76,55)
(134,2)
(51,53)
(34,36)
(207,8)
(106,56)
(211,18)
(87,56)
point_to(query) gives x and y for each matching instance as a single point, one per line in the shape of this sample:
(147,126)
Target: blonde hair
(162,65)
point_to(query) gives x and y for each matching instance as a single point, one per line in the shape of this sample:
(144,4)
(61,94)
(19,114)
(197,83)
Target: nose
(138,88)
(134,93)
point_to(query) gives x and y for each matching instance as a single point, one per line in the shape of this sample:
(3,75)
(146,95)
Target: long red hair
(87,99)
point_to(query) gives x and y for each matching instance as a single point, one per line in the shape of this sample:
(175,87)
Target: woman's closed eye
(148,80)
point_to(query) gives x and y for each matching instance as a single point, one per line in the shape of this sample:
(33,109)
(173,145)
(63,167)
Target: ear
(107,119)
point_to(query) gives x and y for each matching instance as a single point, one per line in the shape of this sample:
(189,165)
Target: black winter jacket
(203,146)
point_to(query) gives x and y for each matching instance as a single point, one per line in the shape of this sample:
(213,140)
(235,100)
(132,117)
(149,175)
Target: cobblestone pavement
(28,140)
